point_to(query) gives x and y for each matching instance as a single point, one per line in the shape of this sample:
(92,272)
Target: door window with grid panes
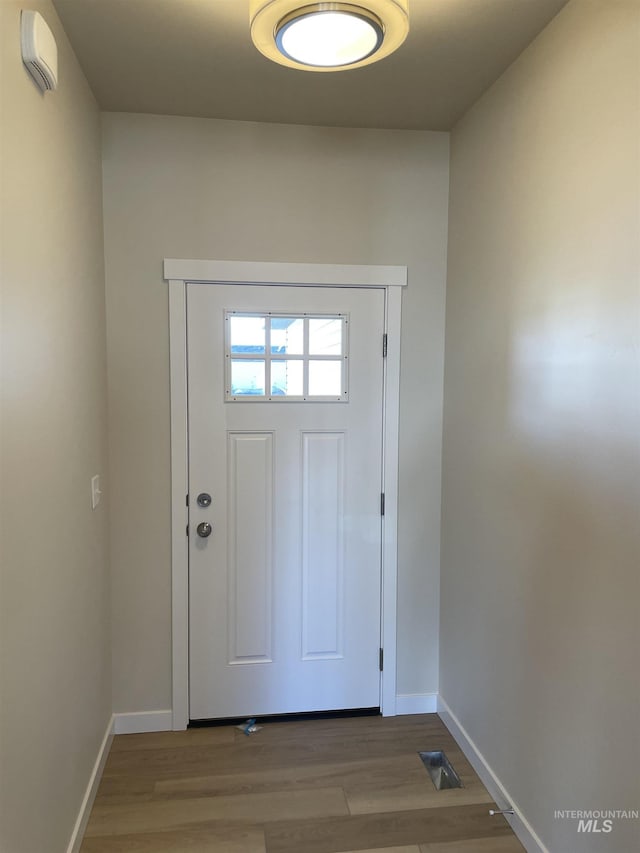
(286,357)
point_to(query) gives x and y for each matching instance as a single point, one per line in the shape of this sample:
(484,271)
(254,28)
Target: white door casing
(284,590)
(390,281)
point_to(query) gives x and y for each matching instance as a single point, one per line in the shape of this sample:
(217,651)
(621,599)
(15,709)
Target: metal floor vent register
(440,769)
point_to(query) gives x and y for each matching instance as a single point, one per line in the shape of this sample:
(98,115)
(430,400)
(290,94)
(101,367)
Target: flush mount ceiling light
(328,36)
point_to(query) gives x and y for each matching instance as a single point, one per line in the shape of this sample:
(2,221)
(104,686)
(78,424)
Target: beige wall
(197,188)
(541,485)
(55,697)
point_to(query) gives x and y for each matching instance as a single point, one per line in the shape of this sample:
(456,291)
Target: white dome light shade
(329,38)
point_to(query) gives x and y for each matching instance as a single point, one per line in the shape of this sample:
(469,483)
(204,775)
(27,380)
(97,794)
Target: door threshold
(288,718)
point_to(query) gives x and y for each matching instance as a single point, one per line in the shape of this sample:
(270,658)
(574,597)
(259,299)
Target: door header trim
(267,272)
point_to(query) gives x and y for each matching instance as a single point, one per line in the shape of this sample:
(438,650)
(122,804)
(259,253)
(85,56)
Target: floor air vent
(440,769)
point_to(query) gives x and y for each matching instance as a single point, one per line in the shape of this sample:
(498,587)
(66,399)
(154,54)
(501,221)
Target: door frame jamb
(181,272)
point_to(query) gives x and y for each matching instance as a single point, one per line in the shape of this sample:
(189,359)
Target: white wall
(541,484)
(55,659)
(197,188)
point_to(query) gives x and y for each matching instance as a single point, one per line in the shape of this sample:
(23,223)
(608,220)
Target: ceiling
(196,58)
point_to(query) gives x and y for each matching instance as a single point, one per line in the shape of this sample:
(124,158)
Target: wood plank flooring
(332,786)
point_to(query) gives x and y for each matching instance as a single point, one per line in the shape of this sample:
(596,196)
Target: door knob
(204,529)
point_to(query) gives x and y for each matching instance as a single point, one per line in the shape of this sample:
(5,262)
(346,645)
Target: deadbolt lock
(204,529)
(204,499)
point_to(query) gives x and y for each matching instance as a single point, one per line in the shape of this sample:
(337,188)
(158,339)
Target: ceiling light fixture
(328,36)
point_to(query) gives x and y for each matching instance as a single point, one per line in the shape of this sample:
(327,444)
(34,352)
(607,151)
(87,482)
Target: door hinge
(186,532)
(382,503)
(381,659)
(384,345)
(186,502)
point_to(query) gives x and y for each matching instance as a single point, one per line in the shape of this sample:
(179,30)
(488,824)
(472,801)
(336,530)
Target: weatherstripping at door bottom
(440,769)
(289,718)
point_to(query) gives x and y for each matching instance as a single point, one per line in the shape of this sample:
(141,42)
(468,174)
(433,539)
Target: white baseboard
(494,786)
(142,721)
(92,788)
(416,703)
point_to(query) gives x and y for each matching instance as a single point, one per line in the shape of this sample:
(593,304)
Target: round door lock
(204,529)
(204,499)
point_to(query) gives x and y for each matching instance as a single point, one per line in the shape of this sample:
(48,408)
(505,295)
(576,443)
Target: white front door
(285,437)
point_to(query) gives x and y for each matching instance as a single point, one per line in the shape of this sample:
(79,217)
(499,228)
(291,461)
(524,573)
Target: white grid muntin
(268,357)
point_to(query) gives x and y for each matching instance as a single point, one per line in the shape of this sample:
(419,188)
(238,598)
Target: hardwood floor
(332,786)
